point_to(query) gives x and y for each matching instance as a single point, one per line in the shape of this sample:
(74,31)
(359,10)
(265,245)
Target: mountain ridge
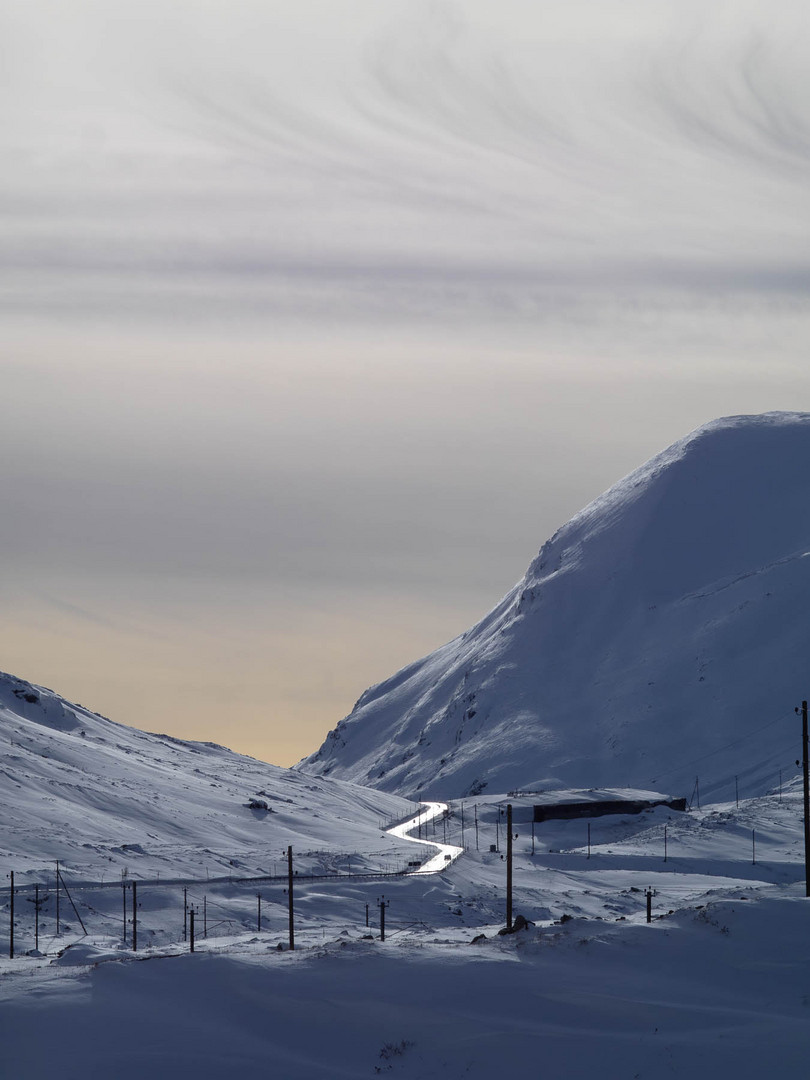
(661,622)
(103,797)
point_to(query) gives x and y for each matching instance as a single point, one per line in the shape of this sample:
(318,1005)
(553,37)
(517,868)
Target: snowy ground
(718,983)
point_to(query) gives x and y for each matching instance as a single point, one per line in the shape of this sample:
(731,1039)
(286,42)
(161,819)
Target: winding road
(445,854)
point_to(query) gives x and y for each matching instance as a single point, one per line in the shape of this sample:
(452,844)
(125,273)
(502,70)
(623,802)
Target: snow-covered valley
(716,981)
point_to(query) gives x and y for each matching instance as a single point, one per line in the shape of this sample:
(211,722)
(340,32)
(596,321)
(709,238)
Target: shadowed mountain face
(661,635)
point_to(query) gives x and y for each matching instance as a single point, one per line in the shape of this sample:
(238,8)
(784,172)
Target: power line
(719,749)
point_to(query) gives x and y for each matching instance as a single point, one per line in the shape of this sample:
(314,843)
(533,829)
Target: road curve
(445,854)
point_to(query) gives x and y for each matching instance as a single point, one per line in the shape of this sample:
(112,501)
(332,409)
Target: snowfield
(715,992)
(717,982)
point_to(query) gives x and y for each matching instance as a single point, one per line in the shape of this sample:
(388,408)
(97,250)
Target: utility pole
(648,894)
(475,808)
(366,914)
(290,896)
(37,905)
(205,916)
(508,866)
(382,919)
(134,915)
(259,914)
(11,928)
(124,906)
(57,898)
(185,913)
(191,927)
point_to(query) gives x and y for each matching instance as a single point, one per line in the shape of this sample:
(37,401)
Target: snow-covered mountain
(661,635)
(105,798)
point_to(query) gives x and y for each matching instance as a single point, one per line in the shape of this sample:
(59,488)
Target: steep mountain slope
(661,634)
(104,798)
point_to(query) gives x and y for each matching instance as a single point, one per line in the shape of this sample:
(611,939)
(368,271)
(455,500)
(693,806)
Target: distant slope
(664,632)
(101,797)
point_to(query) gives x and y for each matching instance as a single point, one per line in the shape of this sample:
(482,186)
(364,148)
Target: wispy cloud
(308,301)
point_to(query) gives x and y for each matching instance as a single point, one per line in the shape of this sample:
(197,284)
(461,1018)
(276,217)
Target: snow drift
(660,635)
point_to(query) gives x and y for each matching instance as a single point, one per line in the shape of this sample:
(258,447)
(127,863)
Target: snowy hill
(660,635)
(101,797)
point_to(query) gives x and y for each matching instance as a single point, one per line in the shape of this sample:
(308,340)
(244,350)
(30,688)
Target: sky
(318,318)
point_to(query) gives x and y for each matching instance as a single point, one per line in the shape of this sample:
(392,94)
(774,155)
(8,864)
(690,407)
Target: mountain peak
(662,622)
